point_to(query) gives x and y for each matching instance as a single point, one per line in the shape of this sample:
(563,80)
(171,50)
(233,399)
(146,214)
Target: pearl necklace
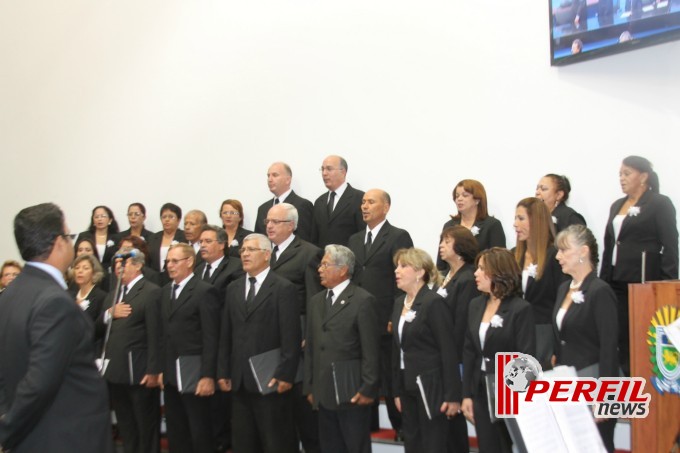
(574,285)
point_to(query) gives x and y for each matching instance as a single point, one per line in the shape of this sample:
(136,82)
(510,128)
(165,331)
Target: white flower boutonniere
(496,321)
(233,243)
(84,304)
(442,292)
(110,243)
(633,211)
(474,230)
(532,270)
(577,297)
(410,316)
(554,219)
(174,243)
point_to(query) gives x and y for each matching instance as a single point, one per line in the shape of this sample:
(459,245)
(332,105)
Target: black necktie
(331,202)
(123,293)
(276,201)
(272,260)
(251,291)
(369,242)
(206,274)
(173,298)
(329,299)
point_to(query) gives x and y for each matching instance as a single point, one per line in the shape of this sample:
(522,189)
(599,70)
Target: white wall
(109,102)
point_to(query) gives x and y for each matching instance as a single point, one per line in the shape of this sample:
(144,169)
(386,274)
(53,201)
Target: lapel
(640,204)
(476,319)
(416,307)
(218,270)
(341,302)
(502,311)
(379,240)
(561,294)
(287,254)
(130,296)
(575,308)
(262,295)
(342,203)
(183,296)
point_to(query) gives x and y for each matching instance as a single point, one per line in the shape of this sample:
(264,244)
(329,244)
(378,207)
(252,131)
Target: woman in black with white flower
(642,221)
(554,191)
(469,196)
(584,317)
(541,274)
(498,321)
(102,232)
(423,346)
(86,273)
(231,213)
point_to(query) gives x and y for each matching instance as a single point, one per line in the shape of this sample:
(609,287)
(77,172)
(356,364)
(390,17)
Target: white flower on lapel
(233,243)
(342,302)
(410,316)
(532,270)
(496,321)
(474,230)
(633,211)
(84,304)
(577,297)
(554,219)
(110,243)
(442,292)
(174,243)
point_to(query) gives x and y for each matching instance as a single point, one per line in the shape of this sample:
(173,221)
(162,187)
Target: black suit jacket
(111,248)
(653,230)
(375,271)
(146,235)
(517,334)
(489,234)
(427,343)
(233,250)
(589,332)
(229,270)
(96,300)
(190,327)
(563,216)
(458,293)
(138,332)
(48,381)
(345,220)
(541,293)
(272,321)
(304,208)
(345,332)
(299,265)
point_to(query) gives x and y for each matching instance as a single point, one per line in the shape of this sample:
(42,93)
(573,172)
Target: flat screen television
(585,29)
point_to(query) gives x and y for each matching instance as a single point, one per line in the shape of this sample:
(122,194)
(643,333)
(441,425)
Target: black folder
(346,379)
(263,367)
(188,373)
(137,365)
(431,391)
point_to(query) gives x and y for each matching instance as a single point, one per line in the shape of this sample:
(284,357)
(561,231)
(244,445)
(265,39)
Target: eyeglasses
(174,262)
(274,221)
(327,265)
(135,214)
(100,216)
(68,236)
(243,250)
(231,213)
(327,168)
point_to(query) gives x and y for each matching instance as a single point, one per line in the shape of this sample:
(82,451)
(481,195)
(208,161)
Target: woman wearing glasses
(231,213)
(160,242)
(136,215)
(102,232)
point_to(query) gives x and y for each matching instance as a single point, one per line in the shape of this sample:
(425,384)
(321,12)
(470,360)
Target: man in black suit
(190,313)
(342,327)
(261,314)
(219,270)
(279,177)
(51,394)
(296,260)
(337,213)
(135,338)
(374,249)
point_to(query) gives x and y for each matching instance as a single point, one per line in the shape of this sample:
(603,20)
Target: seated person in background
(10,270)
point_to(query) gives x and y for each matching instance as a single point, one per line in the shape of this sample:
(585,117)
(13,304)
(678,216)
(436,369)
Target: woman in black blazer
(102,231)
(231,213)
(136,215)
(498,321)
(160,242)
(541,273)
(469,196)
(423,345)
(458,248)
(86,273)
(554,191)
(642,221)
(584,318)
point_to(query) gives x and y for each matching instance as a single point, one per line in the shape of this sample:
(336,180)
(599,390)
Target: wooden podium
(657,432)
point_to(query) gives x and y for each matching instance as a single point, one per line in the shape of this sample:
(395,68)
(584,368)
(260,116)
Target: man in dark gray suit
(342,327)
(51,395)
(279,177)
(337,212)
(374,249)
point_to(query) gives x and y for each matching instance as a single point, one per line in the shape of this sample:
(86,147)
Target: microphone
(124,256)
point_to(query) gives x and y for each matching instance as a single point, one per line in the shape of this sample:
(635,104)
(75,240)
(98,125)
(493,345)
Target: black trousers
(457,435)
(386,387)
(621,291)
(491,437)
(262,424)
(420,433)
(188,422)
(306,421)
(220,405)
(345,430)
(139,417)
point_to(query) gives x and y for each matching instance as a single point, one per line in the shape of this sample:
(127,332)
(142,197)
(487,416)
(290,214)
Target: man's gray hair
(291,214)
(263,241)
(341,256)
(137,255)
(219,232)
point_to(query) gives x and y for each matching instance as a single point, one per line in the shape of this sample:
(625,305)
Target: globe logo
(520,371)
